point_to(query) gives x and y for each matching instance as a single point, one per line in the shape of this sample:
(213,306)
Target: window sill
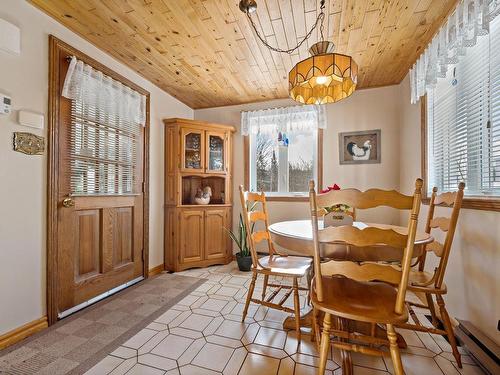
(287,198)
(477,203)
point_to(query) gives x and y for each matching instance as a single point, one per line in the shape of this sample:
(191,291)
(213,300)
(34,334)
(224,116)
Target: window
(284,149)
(463,122)
(106,132)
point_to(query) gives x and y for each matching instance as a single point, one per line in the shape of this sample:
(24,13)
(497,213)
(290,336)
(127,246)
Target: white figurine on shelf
(203,196)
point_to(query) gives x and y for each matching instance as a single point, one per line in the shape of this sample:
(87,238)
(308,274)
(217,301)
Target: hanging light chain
(319,19)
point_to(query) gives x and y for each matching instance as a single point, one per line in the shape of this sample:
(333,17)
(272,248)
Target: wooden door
(192,150)
(216,152)
(192,234)
(96,190)
(215,234)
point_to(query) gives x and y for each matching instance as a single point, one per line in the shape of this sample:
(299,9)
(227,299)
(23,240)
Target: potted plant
(338,214)
(243,256)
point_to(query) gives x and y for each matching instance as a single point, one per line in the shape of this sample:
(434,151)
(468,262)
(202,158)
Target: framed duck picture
(359,147)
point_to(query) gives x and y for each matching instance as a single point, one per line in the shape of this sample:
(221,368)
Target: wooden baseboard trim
(17,334)
(156,270)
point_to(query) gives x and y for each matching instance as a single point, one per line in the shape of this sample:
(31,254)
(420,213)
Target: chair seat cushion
(422,277)
(372,302)
(286,265)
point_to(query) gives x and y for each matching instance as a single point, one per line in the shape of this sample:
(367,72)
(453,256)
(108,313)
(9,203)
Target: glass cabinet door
(192,149)
(216,152)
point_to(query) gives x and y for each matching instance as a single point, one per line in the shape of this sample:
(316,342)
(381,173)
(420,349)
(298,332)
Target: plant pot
(244,262)
(337,219)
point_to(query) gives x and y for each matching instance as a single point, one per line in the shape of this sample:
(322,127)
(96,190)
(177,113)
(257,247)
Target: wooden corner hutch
(197,154)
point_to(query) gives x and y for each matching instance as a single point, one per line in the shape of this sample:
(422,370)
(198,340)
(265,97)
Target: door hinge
(143,186)
(142,255)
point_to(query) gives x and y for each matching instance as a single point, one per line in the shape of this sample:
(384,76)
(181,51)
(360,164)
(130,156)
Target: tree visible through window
(283,163)
(283,148)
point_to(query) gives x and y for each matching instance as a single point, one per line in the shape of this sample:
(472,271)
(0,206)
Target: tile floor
(203,335)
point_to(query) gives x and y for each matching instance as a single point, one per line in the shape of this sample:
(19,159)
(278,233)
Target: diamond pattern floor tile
(203,335)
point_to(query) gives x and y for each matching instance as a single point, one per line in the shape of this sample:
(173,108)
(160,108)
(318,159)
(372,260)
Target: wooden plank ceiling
(204,52)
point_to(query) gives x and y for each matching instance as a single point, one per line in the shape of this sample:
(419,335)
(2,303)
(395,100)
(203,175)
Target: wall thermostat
(5,104)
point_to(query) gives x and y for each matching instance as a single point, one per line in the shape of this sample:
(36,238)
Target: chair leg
(430,304)
(249,295)
(449,329)
(347,366)
(309,277)
(296,307)
(316,331)
(394,349)
(264,289)
(325,343)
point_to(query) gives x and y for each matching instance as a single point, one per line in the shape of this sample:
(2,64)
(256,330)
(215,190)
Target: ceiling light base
(248,6)
(320,48)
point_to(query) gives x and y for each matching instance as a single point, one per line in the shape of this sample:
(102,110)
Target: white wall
(472,276)
(23,178)
(364,110)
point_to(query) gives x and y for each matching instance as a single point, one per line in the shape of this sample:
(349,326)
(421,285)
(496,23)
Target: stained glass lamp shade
(325,77)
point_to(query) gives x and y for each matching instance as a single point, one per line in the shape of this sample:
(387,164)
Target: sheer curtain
(284,119)
(104,140)
(469,20)
(101,91)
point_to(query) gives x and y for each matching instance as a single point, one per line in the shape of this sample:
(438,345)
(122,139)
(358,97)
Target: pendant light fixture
(325,77)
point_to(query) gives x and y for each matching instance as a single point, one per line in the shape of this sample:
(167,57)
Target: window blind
(103,151)
(463,121)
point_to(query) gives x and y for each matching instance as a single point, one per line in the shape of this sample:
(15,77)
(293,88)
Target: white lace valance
(284,119)
(470,19)
(83,82)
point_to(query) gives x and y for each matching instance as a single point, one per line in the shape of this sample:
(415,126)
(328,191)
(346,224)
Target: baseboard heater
(484,350)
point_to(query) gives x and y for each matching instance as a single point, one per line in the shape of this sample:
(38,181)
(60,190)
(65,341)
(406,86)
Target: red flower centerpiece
(337,215)
(336,207)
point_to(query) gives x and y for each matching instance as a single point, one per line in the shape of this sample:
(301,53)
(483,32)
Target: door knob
(68,202)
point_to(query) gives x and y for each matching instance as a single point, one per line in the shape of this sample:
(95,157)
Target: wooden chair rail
(254,197)
(255,216)
(369,236)
(260,236)
(363,272)
(442,223)
(436,247)
(371,340)
(365,199)
(359,349)
(447,199)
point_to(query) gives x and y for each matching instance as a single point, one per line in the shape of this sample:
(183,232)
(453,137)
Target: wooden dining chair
(369,292)
(274,264)
(424,284)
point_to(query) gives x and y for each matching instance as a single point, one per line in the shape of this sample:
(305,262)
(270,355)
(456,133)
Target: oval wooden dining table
(296,236)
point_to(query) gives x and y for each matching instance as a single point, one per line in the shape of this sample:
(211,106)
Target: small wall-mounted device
(31,119)
(10,37)
(5,104)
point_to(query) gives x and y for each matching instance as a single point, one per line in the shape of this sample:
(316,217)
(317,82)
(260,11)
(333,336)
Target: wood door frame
(56,48)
